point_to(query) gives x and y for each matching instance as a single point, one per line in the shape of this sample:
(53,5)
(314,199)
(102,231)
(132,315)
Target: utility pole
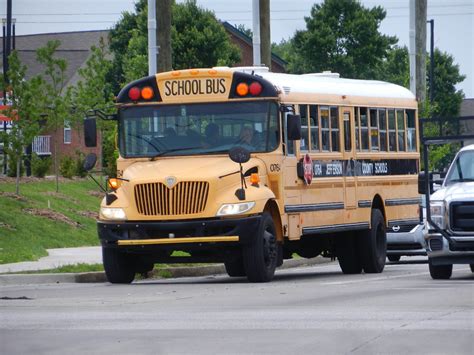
(432,64)
(163,34)
(256,33)
(420,36)
(412,48)
(265,49)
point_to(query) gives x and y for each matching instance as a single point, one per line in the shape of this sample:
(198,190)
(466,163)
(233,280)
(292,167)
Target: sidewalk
(93,255)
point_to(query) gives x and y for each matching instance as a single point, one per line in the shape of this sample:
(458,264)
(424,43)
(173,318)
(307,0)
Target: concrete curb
(173,272)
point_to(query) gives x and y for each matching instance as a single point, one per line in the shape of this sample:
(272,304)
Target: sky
(454,21)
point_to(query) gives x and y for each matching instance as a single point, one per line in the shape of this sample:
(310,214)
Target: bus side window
(335,146)
(314,127)
(356,121)
(401,130)
(411,131)
(374,130)
(364,129)
(325,140)
(383,129)
(392,131)
(347,131)
(304,142)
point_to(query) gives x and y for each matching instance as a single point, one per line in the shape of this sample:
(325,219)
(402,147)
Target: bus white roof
(330,84)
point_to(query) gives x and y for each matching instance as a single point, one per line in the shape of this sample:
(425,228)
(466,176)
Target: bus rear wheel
(119,267)
(235,267)
(261,256)
(373,244)
(346,250)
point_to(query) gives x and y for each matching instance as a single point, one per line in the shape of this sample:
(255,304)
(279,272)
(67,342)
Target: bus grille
(186,197)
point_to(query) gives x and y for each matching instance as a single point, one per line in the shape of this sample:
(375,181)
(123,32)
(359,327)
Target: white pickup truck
(449,231)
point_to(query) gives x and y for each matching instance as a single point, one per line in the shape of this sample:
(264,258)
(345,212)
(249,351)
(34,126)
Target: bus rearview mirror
(293,127)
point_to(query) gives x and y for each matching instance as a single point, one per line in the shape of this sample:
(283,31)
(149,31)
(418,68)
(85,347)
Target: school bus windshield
(194,129)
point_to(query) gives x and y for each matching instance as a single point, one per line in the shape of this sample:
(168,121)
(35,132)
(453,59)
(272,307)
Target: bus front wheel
(119,267)
(440,272)
(261,256)
(373,244)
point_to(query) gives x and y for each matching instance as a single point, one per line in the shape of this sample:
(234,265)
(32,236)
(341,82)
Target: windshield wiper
(172,151)
(461,180)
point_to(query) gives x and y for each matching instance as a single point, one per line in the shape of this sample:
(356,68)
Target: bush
(67,167)
(79,165)
(12,167)
(40,166)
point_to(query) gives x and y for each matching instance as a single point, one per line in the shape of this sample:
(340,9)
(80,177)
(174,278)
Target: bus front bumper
(173,233)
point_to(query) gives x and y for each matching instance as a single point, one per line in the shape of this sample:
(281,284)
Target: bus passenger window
(374,130)
(364,129)
(314,127)
(383,129)
(357,113)
(392,131)
(335,129)
(401,130)
(347,131)
(304,142)
(325,129)
(411,131)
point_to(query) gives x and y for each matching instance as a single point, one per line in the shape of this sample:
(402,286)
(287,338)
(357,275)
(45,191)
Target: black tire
(119,267)
(373,245)
(235,267)
(472,267)
(440,272)
(261,256)
(393,257)
(347,255)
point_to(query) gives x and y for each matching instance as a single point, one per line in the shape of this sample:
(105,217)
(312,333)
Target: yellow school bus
(247,167)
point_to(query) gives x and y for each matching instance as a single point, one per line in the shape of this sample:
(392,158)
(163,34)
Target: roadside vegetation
(41,218)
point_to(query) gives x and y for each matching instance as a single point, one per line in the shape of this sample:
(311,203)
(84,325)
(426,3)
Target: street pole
(412,55)
(151,38)
(420,15)
(256,33)
(432,64)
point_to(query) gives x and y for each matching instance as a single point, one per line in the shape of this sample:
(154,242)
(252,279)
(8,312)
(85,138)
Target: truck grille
(186,197)
(462,216)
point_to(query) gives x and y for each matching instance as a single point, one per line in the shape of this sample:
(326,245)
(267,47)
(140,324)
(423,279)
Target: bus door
(292,195)
(350,178)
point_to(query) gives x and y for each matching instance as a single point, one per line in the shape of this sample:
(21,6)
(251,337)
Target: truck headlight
(113,213)
(235,208)
(438,211)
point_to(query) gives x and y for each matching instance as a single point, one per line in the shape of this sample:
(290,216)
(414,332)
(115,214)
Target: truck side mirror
(422,182)
(293,127)
(90,132)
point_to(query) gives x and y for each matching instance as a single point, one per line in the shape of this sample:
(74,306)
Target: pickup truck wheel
(235,268)
(373,245)
(261,256)
(119,267)
(440,272)
(393,257)
(346,251)
(472,267)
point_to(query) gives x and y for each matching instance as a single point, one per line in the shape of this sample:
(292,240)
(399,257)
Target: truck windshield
(462,168)
(193,129)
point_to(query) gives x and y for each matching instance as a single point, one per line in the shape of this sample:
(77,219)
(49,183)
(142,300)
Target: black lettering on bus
(221,86)
(167,88)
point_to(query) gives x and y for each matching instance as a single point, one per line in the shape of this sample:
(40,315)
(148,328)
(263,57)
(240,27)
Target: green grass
(25,236)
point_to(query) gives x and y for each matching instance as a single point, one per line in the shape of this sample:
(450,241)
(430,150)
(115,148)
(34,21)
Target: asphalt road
(312,310)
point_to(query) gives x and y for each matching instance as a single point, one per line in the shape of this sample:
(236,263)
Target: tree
(25,109)
(198,40)
(341,36)
(55,104)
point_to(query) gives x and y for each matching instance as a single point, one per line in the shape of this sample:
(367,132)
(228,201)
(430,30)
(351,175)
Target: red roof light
(134,93)
(255,89)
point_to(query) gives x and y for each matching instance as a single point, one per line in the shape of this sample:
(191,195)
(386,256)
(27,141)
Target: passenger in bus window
(246,136)
(212,135)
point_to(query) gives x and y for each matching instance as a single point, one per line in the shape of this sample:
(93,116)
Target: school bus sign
(196,84)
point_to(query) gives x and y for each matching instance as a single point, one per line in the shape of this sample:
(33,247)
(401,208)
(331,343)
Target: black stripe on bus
(364,204)
(336,228)
(402,201)
(340,168)
(315,207)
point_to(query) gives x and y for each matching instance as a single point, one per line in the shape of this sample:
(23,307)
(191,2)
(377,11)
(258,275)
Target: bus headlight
(235,208)
(113,213)
(437,210)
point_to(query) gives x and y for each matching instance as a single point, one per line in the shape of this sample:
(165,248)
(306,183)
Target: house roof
(74,47)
